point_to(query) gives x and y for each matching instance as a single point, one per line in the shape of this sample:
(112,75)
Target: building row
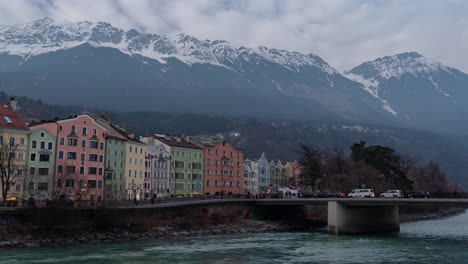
(87,157)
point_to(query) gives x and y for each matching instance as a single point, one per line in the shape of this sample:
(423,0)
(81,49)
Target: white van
(367,193)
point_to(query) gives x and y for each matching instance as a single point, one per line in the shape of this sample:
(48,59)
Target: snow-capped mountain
(420,90)
(97,64)
(45,35)
(175,73)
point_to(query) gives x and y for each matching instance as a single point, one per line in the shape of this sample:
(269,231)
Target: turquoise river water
(434,241)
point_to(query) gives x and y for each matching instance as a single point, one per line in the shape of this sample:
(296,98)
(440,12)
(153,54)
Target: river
(433,241)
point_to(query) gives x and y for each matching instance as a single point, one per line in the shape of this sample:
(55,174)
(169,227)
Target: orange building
(223,166)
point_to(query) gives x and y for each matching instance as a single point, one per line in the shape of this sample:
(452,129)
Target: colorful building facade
(264,176)
(135,153)
(40,171)
(250,177)
(13,142)
(114,181)
(159,168)
(186,165)
(223,166)
(80,152)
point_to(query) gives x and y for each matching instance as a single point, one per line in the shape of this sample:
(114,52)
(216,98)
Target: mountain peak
(396,66)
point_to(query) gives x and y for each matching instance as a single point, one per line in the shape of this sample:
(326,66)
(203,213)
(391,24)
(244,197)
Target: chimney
(14,103)
(106,117)
(187,138)
(131,135)
(167,137)
(178,139)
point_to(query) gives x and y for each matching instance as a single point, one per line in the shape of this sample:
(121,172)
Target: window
(32,171)
(70,169)
(82,170)
(101,146)
(60,154)
(207,183)
(73,129)
(34,144)
(71,155)
(43,171)
(31,186)
(59,168)
(71,142)
(197,165)
(216,162)
(209,151)
(208,162)
(18,187)
(44,157)
(92,170)
(93,157)
(91,184)
(70,183)
(83,143)
(100,184)
(93,144)
(216,182)
(62,141)
(196,176)
(42,186)
(50,146)
(83,157)
(94,132)
(178,175)
(21,141)
(179,164)
(84,131)
(217,152)
(42,145)
(12,142)
(33,156)
(130,149)
(7,119)
(208,171)
(100,171)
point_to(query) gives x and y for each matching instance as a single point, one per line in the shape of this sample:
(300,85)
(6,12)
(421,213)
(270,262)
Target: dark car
(420,194)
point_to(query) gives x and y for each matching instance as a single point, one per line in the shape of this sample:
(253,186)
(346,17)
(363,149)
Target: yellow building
(13,139)
(135,153)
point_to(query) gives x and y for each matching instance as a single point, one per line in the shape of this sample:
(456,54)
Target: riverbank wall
(32,227)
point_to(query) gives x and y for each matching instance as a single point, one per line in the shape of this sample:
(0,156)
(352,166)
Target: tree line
(377,167)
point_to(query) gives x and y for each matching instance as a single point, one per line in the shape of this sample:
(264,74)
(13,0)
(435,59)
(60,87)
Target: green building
(186,165)
(114,180)
(40,163)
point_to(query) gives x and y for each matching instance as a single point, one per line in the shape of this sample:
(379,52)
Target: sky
(343,32)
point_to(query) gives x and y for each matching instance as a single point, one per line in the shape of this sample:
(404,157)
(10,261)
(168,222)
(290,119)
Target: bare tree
(9,168)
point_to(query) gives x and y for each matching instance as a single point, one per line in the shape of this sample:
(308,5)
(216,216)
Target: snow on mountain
(374,75)
(371,86)
(45,35)
(396,66)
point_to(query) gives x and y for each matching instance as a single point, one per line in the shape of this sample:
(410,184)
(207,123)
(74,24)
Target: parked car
(392,194)
(367,193)
(329,194)
(420,194)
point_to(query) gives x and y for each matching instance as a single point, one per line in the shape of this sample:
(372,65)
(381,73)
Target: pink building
(79,165)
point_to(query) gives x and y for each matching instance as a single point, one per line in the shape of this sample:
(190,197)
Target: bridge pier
(347,219)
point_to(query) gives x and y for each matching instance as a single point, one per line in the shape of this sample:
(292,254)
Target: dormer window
(7,119)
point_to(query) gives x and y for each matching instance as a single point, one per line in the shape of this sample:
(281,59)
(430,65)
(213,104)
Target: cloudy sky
(343,32)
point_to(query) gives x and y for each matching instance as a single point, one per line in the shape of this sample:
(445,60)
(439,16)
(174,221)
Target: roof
(124,134)
(11,119)
(112,130)
(174,143)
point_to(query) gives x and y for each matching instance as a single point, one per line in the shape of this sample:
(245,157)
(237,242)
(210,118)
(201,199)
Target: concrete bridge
(345,216)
